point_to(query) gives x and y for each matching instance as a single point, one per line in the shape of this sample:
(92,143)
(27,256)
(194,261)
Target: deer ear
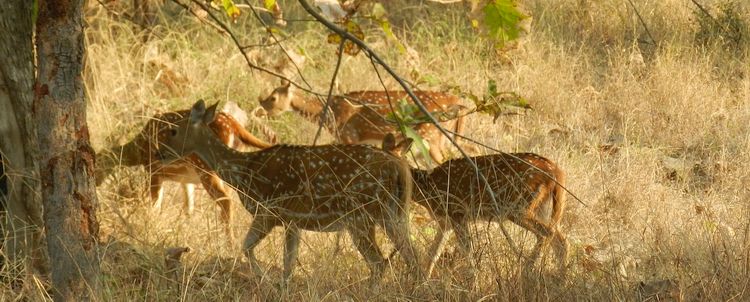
(210,113)
(285,84)
(404,146)
(389,142)
(197,112)
(390,145)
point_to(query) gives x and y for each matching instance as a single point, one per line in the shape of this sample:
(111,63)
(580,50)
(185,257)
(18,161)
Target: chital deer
(360,117)
(524,184)
(319,188)
(142,151)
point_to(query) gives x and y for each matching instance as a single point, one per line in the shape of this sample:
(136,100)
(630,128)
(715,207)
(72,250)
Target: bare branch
(362,45)
(239,46)
(326,107)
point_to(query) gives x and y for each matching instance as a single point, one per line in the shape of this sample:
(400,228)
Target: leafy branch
(373,56)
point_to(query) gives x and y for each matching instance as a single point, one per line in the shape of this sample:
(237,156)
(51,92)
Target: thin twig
(705,11)
(326,107)
(237,43)
(281,46)
(201,19)
(648,32)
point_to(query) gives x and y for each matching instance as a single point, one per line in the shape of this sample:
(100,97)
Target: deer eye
(172,132)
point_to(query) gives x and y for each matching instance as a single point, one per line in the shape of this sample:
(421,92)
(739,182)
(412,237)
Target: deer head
(279,101)
(186,136)
(398,149)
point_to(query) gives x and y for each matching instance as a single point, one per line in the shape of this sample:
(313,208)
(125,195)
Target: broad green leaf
(502,19)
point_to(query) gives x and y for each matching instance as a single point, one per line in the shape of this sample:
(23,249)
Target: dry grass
(653,137)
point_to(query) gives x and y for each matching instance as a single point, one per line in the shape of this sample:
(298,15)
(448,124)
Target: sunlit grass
(653,138)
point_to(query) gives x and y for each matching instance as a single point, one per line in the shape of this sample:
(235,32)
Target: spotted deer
(142,151)
(319,188)
(360,117)
(524,186)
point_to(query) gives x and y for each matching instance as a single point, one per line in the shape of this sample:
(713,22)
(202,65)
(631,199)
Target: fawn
(320,188)
(360,117)
(523,185)
(142,151)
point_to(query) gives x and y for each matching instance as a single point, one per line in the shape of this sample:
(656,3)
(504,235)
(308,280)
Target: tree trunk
(66,158)
(22,223)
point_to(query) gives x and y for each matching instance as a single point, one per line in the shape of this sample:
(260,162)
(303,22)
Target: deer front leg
(156,191)
(189,191)
(291,245)
(259,229)
(216,189)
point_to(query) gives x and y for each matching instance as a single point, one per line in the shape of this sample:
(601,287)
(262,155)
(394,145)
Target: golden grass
(653,138)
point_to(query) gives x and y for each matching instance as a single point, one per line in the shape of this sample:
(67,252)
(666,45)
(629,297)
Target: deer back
(515,179)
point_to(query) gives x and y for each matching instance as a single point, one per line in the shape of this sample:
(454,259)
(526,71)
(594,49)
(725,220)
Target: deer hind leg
(560,244)
(364,240)
(291,244)
(156,190)
(467,247)
(189,191)
(397,229)
(542,232)
(437,247)
(259,229)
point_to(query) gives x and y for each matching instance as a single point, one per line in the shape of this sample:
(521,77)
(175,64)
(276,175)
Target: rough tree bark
(66,160)
(23,222)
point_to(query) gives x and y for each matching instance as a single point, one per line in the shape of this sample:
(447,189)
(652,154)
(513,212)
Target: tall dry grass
(652,134)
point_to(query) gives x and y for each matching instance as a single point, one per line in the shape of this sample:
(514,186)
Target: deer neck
(310,108)
(229,164)
(129,154)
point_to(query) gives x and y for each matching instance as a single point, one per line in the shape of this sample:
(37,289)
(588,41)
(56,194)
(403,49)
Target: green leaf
(418,141)
(502,20)
(378,11)
(491,88)
(228,5)
(496,103)
(349,47)
(429,231)
(386,27)
(405,116)
(269,4)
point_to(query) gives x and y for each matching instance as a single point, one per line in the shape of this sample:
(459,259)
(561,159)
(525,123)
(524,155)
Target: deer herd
(356,185)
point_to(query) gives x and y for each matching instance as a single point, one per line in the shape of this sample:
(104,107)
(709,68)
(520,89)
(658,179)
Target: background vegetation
(651,127)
